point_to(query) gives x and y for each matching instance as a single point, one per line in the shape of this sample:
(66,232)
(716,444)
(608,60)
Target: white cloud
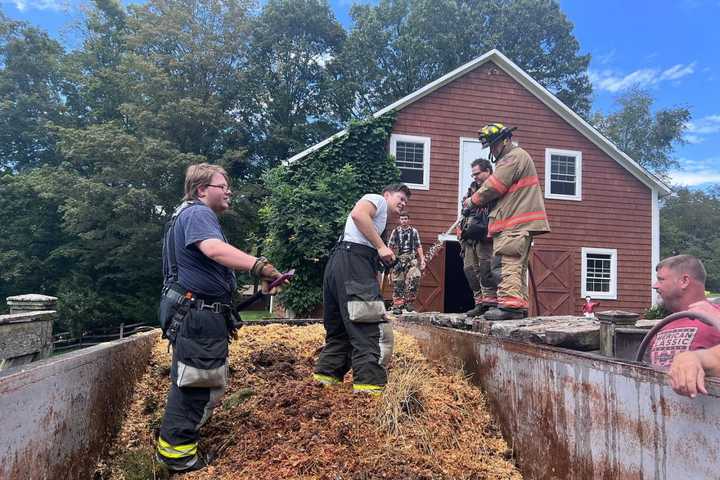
(678,71)
(614,82)
(23,5)
(697,172)
(696,131)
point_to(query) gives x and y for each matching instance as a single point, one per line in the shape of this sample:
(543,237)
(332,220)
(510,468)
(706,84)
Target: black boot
(502,313)
(479,309)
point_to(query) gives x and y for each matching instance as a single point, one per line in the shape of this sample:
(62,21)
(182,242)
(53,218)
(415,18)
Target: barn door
(553,275)
(431,296)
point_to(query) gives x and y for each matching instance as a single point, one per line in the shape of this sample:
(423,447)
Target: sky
(667,47)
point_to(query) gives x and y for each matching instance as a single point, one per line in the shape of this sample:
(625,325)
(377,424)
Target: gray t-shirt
(352,234)
(196,272)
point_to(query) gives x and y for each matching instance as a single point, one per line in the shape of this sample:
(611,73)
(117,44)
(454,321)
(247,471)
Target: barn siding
(615,211)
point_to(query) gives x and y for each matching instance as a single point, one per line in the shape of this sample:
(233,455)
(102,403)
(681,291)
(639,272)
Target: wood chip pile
(274,423)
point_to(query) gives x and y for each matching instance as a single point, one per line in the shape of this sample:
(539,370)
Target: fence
(63,342)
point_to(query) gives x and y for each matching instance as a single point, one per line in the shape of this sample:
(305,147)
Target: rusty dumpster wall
(571,415)
(58,414)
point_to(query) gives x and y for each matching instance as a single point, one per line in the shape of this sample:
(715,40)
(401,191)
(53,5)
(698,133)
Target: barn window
(563,174)
(599,273)
(412,157)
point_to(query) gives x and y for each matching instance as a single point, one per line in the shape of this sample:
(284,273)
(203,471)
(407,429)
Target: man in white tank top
(357,335)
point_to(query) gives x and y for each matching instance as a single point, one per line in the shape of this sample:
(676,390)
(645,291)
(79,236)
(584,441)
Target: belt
(178,295)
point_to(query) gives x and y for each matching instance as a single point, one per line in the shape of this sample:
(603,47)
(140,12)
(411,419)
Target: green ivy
(310,199)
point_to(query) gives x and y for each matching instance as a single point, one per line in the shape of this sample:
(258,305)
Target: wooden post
(608,321)
(122,327)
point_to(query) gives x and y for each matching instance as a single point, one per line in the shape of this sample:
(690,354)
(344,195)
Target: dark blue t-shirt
(196,272)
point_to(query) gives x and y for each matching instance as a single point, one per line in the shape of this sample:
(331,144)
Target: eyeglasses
(225,188)
(473,175)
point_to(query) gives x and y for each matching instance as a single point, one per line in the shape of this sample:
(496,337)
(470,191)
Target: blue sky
(668,47)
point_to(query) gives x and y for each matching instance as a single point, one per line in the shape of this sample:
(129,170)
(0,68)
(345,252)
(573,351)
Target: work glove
(266,273)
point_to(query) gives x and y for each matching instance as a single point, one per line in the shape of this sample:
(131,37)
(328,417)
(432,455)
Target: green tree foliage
(310,199)
(293,45)
(398,46)
(688,225)
(30,96)
(646,137)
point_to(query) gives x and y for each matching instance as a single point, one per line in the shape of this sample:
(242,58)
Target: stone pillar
(31,303)
(26,333)
(608,321)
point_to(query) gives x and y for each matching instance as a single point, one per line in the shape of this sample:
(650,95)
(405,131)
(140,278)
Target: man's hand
(687,376)
(422,265)
(267,273)
(386,255)
(468,203)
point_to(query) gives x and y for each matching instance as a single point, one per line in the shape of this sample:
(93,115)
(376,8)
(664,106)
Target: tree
(293,45)
(30,96)
(688,225)
(647,138)
(310,199)
(398,46)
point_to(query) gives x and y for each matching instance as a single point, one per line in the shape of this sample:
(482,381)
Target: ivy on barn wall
(310,199)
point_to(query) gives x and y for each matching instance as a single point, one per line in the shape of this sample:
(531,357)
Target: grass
(250,315)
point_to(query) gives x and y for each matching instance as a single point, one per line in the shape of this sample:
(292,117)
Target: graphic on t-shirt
(670,342)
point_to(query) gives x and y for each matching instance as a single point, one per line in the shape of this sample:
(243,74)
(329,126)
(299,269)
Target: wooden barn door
(553,272)
(431,296)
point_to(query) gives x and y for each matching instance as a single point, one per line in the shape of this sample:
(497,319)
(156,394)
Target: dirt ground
(274,423)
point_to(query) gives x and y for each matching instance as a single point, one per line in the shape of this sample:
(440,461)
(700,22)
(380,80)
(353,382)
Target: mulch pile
(274,423)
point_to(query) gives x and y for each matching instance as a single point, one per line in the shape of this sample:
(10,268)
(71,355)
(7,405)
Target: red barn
(602,205)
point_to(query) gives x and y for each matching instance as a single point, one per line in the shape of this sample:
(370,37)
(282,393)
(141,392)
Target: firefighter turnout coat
(520,206)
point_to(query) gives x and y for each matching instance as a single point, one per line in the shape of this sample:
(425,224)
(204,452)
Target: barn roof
(547,98)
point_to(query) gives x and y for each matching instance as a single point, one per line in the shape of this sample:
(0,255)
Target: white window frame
(549,152)
(394,138)
(612,294)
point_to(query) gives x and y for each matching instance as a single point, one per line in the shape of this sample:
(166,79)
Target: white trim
(654,242)
(447,238)
(643,175)
(394,138)
(612,294)
(549,152)
(461,192)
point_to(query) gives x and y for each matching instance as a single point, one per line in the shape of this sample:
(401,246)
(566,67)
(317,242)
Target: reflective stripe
(524,183)
(367,388)
(325,379)
(496,184)
(500,225)
(512,302)
(176,451)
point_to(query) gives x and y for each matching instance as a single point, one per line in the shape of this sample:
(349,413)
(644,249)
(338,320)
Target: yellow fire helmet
(494,132)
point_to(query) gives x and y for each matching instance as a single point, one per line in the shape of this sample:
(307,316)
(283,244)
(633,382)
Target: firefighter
(195,311)
(357,334)
(518,216)
(476,246)
(405,241)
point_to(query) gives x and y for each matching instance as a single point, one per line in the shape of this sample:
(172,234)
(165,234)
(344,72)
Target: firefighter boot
(479,309)
(502,313)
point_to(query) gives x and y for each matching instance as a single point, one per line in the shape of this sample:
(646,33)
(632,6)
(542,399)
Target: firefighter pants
(357,335)
(406,279)
(480,270)
(201,347)
(513,249)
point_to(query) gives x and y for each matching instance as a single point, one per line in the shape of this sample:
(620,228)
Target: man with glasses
(476,246)
(195,311)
